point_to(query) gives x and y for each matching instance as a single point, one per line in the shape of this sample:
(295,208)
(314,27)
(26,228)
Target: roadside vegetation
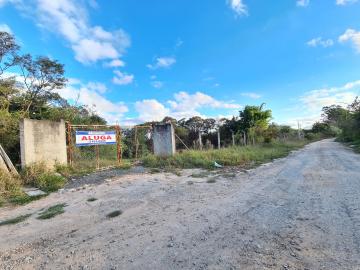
(245,156)
(15,220)
(52,211)
(342,122)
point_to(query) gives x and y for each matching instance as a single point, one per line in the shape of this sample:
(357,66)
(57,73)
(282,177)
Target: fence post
(200,141)
(69,136)
(118,147)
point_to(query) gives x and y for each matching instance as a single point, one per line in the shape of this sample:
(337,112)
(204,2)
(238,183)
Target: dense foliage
(341,122)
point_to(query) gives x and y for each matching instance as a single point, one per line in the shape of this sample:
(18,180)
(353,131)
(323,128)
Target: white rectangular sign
(87,138)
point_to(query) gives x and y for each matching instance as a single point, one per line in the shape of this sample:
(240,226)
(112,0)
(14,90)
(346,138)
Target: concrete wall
(42,141)
(164,140)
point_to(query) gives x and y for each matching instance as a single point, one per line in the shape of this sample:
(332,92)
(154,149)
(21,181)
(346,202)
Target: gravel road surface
(300,212)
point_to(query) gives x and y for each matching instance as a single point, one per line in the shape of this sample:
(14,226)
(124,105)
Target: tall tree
(41,76)
(8,51)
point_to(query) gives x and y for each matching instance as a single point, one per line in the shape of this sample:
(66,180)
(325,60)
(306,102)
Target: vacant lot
(300,212)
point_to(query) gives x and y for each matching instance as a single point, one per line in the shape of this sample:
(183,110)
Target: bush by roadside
(36,175)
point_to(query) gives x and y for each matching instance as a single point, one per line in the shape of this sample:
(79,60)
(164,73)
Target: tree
(8,51)
(41,77)
(334,115)
(254,120)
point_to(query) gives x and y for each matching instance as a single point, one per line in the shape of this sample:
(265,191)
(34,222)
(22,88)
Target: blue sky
(135,61)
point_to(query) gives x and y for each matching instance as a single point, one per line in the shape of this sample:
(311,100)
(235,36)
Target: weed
(50,182)
(38,175)
(14,220)
(52,211)
(22,198)
(92,199)
(114,214)
(9,183)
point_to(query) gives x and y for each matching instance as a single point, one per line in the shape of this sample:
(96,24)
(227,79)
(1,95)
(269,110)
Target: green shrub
(9,184)
(50,182)
(38,175)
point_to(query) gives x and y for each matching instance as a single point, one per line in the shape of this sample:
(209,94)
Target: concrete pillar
(42,141)
(164,140)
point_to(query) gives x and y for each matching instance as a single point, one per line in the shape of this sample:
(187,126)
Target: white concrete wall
(42,141)
(164,140)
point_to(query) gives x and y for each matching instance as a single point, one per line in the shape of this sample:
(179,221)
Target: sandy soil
(300,212)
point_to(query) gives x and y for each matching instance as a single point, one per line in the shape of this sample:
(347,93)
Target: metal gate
(95,153)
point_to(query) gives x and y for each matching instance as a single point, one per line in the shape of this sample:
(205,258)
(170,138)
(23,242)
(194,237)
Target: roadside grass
(39,176)
(15,220)
(355,145)
(22,198)
(114,214)
(52,211)
(84,167)
(92,199)
(246,156)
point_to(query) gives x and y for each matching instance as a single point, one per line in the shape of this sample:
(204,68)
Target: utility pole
(299,135)
(218,137)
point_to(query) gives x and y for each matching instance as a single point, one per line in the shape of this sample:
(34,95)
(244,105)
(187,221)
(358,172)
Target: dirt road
(300,212)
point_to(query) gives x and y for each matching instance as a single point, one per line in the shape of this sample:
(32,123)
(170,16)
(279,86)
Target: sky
(135,61)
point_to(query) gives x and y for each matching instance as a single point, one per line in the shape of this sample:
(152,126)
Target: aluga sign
(87,138)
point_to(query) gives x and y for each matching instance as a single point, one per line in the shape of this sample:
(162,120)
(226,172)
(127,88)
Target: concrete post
(218,138)
(42,141)
(164,140)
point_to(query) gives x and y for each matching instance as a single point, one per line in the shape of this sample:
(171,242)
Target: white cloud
(238,7)
(151,110)
(308,107)
(316,99)
(353,36)
(122,78)
(115,63)
(251,95)
(97,86)
(302,3)
(319,41)
(162,62)
(157,84)
(345,2)
(4,27)
(69,19)
(183,105)
(90,96)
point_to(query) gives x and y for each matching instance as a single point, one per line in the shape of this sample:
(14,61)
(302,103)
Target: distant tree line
(340,122)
